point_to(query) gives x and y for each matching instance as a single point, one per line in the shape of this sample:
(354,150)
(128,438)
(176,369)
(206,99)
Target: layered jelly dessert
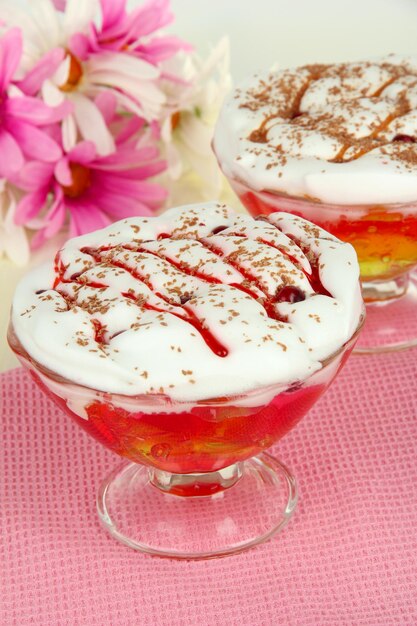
(191,340)
(335,144)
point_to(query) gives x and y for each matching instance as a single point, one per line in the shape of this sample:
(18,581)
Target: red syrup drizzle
(313,277)
(185,269)
(99,330)
(404,138)
(211,341)
(266,301)
(215,346)
(290,293)
(268,304)
(289,256)
(315,282)
(60,270)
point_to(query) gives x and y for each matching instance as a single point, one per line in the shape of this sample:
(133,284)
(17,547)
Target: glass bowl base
(391,313)
(245,504)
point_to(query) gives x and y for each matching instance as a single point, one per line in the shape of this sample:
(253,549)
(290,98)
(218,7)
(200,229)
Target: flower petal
(61,74)
(84,152)
(147,192)
(32,110)
(35,143)
(11,155)
(112,12)
(79,45)
(175,165)
(29,206)
(55,217)
(92,125)
(122,63)
(151,16)
(144,93)
(40,27)
(51,95)
(127,158)
(124,102)
(160,49)
(131,127)
(196,135)
(140,173)
(52,223)
(118,206)
(63,173)
(45,25)
(107,105)
(11,46)
(78,15)
(69,133)
(34,175)
(85,217)
(60,4)
(43,70)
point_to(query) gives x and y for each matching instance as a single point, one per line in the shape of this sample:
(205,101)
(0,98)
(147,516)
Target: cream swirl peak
(197,303)
(342,133)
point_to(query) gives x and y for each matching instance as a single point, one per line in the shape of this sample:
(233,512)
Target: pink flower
(22,116)
(123,56)
(92,190)
(132,32)
(59,4)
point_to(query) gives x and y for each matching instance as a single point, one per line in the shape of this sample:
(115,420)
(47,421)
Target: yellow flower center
(74,75)
(81,181)
(175,119)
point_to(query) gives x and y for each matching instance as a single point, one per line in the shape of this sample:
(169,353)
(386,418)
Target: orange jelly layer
(385,240)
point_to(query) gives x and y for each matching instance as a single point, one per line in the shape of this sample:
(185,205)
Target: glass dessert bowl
(196,481)
(334,144)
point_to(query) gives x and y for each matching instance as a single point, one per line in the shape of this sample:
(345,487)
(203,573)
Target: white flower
(190,116)
(44,27)
(13,240)
(131,80)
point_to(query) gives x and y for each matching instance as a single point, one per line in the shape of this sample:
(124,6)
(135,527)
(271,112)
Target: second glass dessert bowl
(336,145)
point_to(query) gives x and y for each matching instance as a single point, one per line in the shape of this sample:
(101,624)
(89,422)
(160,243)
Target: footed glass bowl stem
(197,516)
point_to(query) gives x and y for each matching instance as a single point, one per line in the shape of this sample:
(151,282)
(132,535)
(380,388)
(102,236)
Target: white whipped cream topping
(340,133)
(165,306)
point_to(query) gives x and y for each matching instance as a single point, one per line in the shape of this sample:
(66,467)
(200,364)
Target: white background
(294,32)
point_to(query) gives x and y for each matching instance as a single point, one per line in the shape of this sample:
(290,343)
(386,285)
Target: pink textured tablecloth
(348,557)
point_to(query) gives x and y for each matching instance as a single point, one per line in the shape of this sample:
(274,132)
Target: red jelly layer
(201,440)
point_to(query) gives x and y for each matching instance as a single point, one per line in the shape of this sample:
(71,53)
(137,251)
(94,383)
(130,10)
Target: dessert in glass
(188,344)
(335,144)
